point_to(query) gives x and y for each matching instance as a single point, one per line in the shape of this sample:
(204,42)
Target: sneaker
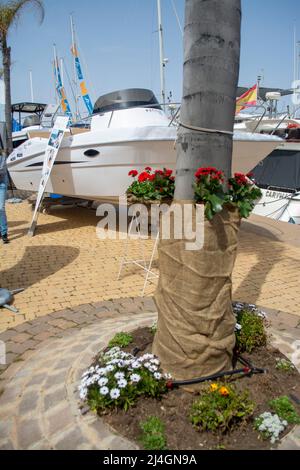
(5,238)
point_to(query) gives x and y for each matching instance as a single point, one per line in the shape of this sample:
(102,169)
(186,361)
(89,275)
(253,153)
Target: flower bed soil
(173,409)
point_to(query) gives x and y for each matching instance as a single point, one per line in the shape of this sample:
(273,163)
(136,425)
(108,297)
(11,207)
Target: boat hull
(279,205)
(105,174)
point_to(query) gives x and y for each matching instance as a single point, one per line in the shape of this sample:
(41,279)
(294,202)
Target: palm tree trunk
(210,76)
(195,334)
(6,55)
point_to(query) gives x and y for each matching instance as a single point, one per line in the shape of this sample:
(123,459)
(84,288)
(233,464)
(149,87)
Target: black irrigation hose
(254,369)
(249,369)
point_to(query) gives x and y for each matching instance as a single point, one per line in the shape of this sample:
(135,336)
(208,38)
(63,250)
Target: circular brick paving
(39,408)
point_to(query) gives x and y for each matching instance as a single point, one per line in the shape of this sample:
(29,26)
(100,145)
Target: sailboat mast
(162,55)
(55,72)
(74,68)
(62,71)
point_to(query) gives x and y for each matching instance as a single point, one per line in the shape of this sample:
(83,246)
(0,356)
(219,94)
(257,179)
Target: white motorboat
(28,117)
(278,177)
(128,130)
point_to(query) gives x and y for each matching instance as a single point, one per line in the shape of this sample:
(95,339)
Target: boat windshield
(125,99)
(279,169)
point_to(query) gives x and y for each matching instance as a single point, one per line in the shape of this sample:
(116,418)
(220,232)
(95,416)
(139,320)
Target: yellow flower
(214,387)
(224,391)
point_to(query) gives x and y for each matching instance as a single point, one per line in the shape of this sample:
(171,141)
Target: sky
(118,44)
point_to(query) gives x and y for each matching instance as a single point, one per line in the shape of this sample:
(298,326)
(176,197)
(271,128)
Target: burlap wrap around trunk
(195,335)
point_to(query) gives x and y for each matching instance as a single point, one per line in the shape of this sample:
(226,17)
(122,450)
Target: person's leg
(3,219)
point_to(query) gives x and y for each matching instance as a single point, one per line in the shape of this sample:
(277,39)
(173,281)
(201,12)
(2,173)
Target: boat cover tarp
(281,169)
(125,99)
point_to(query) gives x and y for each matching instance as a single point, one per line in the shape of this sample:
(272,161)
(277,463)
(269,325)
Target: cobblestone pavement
(65,264)
(39,400)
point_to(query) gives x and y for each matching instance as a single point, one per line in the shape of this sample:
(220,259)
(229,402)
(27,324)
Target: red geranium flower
(159,172)
(132,173)
(241,179)
(148,168)
(143,176)
(210,171)
(168,172)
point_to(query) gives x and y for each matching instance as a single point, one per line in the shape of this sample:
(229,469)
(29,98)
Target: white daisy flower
(113,361)
(122,383)
(109,368)
(157,375)
(155,361)
(148,356)
(119,375)
(114,393)
(104,391)
(135,378)
(136,365)
(83,394)
(102,381)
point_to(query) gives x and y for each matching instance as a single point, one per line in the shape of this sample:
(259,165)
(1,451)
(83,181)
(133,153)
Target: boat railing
(279,123)
(87,119)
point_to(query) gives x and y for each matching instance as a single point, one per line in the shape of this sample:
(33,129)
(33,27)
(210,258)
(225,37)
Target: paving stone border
(39,399)
(22,340)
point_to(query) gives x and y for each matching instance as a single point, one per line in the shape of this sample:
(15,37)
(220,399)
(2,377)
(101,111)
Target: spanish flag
(249,98)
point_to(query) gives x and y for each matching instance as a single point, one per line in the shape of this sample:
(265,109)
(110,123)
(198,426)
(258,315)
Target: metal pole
(295,67)
(162,55)
(74,68)
(31,86)
(62,71)
(55,73)
(295,54)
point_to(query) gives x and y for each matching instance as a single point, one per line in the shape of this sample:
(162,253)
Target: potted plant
(151,186)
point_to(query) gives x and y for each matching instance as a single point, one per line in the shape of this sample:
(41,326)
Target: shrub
(153,437)
(285,410)
(252,333)
(119,378)
(270,426)
(284,364)
(221,407)
(120,339)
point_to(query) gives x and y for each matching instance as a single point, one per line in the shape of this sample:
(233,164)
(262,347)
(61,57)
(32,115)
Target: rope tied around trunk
(203,129)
